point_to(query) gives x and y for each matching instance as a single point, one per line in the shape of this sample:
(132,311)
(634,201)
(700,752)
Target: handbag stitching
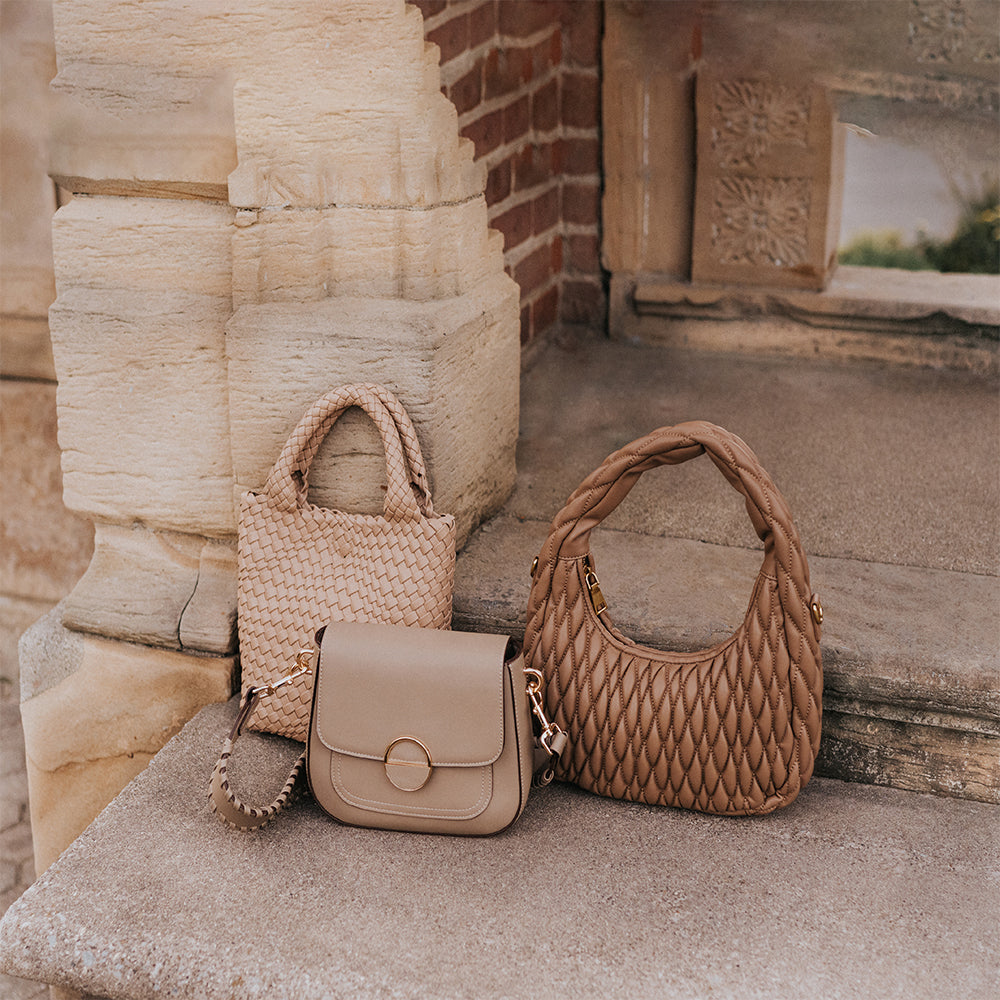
(343,751)
(400,809)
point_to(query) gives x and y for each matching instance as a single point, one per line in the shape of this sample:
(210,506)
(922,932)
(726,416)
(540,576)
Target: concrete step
(891,474)
(851,891)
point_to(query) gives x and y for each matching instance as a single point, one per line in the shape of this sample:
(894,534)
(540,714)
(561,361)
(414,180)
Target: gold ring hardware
(817,609)
(407,775)
(534,566)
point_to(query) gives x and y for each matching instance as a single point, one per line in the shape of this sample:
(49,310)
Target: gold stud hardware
(817,609)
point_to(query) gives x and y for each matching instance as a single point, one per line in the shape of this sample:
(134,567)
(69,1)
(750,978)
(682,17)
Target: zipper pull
(594,586)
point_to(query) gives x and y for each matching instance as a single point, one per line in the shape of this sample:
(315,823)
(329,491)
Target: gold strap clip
(303,667)
(552,738)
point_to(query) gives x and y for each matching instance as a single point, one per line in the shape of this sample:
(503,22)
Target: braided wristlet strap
(233,811)
(226,804)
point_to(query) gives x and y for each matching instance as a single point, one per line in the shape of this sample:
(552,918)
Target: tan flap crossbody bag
(423,730)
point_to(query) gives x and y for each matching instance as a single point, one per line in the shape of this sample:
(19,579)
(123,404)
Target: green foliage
(973,249)
(884,249)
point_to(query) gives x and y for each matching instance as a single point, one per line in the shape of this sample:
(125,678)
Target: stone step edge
(875,314)
(949,668)
(911,694)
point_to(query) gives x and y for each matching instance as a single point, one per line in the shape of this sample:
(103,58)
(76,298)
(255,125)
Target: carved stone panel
(767,198)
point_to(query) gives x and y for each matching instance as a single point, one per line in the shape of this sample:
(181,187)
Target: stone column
(272,199)
(361,252)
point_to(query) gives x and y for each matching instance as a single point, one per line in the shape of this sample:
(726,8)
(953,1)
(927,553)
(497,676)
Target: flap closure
(378,685)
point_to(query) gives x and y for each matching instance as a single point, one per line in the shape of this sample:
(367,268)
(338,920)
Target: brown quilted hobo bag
(733,729)
(302,566)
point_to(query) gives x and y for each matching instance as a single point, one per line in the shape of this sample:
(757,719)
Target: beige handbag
(416,731)
(301,566)
(733,729)
(411,729)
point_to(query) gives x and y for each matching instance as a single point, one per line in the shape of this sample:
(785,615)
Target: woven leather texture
(733,729)
(302,566)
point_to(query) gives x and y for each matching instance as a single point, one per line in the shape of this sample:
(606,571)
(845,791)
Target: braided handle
(604,489)
(411,448)
(407,492)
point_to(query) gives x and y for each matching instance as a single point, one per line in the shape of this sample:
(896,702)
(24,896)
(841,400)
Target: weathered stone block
(94,712)
(453,363)
(185,150)
(27,63)
(155,98)
(138,335)
(768,187)
(291,256)
(158,587)
(648,127)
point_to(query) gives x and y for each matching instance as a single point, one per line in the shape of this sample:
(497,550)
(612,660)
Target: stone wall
(724,128)
(525,80)
(44,548)
(268,201)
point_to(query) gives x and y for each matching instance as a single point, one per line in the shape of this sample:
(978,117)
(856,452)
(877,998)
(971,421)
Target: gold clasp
(303,666)
(553,739)
(594,586)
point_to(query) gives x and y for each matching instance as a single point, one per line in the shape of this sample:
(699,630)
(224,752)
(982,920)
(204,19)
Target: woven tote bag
(733,729)
(302,566)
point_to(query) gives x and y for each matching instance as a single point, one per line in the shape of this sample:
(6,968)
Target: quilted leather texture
(302,566)
(733,729)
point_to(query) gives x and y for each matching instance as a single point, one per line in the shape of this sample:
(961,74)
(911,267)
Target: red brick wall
(524,76)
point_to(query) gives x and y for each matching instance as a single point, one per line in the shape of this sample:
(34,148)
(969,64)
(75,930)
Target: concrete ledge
(858,298)
(906,317)
(851,891)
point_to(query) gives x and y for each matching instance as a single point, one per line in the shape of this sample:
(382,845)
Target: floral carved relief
(942,31)
(752,116)
(761,221)
(765,154)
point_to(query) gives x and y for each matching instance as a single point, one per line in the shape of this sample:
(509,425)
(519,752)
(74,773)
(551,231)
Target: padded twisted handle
(407,491)
(605,488)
